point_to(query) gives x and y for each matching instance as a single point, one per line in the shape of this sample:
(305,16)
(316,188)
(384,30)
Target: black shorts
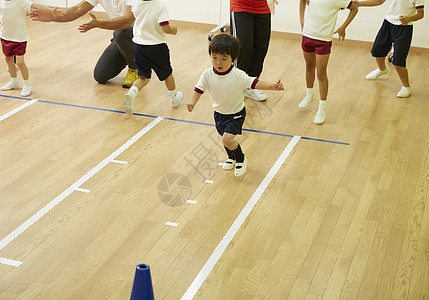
(400,36)
(230,123)
(152,57)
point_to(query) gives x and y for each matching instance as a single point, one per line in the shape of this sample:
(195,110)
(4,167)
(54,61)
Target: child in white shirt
(14,37)
(150,49)
(318,19)
(225,83)
(397,28)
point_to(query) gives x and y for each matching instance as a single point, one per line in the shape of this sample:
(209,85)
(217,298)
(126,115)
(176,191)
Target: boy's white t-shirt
(149,15)
(113,8)
(226,90)
(12,20)
(320,18)
(399,8)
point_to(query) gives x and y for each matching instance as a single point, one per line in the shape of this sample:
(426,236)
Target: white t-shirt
(12,20)
(113,8)
(320,18)
(399,8)
(226,89)
(149,15)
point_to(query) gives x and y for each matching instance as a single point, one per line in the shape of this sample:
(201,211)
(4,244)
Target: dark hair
(225,44)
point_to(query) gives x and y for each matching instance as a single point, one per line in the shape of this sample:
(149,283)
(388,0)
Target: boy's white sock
(172,93)
(309,91)
(321,113)
(26,83)
(309,97)
(14,80)
(133,89)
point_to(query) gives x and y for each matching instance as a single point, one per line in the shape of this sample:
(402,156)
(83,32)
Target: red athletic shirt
(251,6)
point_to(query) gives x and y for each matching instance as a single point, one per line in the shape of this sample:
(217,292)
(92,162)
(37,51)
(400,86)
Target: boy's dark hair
(225,44)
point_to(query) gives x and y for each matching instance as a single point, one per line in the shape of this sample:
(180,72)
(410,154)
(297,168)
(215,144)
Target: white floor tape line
(24,226)
(10,262)
(226,240)
(19,108)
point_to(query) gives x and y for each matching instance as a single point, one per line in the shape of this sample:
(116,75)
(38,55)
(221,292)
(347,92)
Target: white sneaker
(306,101)
(404,92)
(10,86)
(240,168)
(26,91)
(229,164)
(176,100)
(376,73)
(255,95)
(321,115)
(129,103)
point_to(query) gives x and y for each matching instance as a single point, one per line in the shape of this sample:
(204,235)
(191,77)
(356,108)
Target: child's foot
(255,95)
(376,73)
(229,164)
(240,168)
(129,102)
(10,86)
(321,113)
(175,100)
(306,101)
(404,92)
(26,91)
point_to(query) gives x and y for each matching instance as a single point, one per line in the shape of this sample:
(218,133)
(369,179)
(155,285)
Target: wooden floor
(346,216)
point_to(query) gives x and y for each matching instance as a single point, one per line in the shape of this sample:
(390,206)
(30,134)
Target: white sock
(322,106)
(172,93)
(14,80)
(134,89)
(26,83)
(309,91)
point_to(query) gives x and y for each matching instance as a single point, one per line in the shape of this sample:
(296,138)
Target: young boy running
(397,28)
(225,83)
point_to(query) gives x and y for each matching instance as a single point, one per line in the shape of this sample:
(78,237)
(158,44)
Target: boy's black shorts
(400,36)
(153,57)
(230,123)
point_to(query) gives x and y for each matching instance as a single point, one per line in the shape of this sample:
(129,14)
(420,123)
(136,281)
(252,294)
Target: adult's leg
(110,63)
(261,41)
(123,39)
(242,29)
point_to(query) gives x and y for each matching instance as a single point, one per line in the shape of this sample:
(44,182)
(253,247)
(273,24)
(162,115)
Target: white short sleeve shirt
(113,8)
(12,19)
(321,17)
(150,16)
(399,8)
(226,90)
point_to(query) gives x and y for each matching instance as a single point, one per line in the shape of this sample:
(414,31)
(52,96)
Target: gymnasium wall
(363,28)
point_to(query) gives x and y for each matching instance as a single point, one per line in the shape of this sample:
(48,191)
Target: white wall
(363,28)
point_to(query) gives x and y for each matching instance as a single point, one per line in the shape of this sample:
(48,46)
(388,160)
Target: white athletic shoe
(240,168)
(229,164)
(306,101)
(255,95)
(404,92)
(10,86)
(176,100)
(321,114)
(129,102)
(26,91)
(376,73)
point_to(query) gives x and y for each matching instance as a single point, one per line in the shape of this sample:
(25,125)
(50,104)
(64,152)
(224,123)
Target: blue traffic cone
(142,286)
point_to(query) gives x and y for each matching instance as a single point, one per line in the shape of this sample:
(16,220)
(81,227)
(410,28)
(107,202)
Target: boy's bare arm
(195,97)
(263,85)
(369,3)
(342,29)
(121,22)
(169,29)
(419,15)
(302,4)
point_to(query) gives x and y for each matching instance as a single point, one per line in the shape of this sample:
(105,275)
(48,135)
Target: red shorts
(13,48)
(318,46)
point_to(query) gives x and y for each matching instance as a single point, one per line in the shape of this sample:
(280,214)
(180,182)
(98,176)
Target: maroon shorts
(312,45)
(13,48)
